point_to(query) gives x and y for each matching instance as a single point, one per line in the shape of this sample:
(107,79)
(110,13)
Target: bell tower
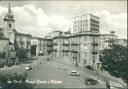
(9,20)
(9,23)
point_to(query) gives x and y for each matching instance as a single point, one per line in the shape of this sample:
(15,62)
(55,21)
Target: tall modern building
(84,23)
(84,42)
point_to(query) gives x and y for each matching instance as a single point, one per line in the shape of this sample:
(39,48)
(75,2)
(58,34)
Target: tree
(21,54)
(115,61)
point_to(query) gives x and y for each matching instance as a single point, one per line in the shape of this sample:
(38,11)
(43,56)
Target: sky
(41,17)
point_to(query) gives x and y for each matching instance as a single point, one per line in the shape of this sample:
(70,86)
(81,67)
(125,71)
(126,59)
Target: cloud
(35,21)
(2,10)
(113,22)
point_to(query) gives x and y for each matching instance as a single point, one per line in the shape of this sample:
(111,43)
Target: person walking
(107,84)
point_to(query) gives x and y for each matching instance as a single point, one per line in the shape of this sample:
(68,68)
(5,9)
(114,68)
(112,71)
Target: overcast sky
(41,17)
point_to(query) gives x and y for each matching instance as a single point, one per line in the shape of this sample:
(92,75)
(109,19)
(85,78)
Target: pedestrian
(107,84)
(36,64)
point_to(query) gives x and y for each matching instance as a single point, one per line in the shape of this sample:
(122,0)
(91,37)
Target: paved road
(49,74)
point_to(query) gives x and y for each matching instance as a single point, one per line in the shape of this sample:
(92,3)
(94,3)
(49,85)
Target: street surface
(50,74)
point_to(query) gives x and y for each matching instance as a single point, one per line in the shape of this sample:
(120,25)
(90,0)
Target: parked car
(74,73)
(28,67)
(58,67)
(89,68)
(91,81)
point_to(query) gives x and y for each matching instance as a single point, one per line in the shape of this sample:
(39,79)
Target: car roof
(74,71)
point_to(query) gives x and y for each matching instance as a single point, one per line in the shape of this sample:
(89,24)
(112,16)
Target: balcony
(74,50)
(65,50)
(74,43)
(94,52)
(65,44)
(50,44)
(95,43)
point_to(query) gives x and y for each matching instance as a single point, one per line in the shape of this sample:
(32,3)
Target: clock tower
(9,23)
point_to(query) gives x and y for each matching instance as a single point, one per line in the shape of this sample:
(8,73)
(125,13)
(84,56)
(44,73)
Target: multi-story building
(61,44)
(106,40)
(23,41)
(35,46)
(45,45)
(122,42)
(42,46)
(4,46)
(84,43)
(87,22)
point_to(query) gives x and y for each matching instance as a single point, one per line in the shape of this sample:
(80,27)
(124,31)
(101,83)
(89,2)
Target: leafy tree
(115,61)
(22,54)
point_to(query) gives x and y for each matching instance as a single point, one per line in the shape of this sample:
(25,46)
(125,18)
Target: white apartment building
(84,23)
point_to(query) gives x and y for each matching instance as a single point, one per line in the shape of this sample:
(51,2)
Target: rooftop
(86,15)
(23,34)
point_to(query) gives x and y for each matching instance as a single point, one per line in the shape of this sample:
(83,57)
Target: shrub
(17,81)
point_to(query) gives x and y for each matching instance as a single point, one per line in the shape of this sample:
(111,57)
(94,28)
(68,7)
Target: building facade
(84,43)
(106,40)
(42,46)
(87,22)
(4,46)
(9,26)
(23,41)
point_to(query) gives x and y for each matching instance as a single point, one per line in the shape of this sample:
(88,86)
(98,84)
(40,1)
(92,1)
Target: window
(9,25)
(1,35)
(94,40)
(85,38)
